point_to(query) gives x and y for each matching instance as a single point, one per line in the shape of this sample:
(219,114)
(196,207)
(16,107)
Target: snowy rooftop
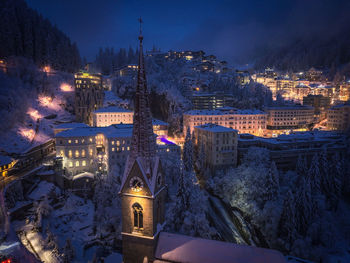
(84,175)
(215,128)
(111,109)
(116,130)
(71,125)
(5,160)
(159,122)
(294,107)
(180,248)
(224,111)
(295,137)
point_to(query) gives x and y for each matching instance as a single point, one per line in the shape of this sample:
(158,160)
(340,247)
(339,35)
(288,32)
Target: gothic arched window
(138,216)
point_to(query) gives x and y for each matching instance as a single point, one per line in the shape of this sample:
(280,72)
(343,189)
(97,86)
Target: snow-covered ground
(36,129)
(70,217)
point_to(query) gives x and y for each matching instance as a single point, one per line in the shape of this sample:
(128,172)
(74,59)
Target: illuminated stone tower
(142,190)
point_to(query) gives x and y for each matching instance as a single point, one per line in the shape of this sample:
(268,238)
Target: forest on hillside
(26,33)
(329,53)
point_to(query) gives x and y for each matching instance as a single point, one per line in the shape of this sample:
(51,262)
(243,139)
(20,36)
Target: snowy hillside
(33,102)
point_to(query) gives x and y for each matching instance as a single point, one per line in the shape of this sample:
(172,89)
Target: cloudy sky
(231,30)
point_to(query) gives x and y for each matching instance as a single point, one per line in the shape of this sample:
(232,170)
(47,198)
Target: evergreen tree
(304,206)
(301,166)
(314,175)
(68,253)
(287,225)
(271,188)
(188,152)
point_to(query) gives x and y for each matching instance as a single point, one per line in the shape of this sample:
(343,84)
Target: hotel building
(282,119)
(220,144)
(338,117)
(89,95)
(245,121)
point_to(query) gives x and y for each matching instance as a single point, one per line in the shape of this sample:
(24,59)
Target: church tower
(142,189)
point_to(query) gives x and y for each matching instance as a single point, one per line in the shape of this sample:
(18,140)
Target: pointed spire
(143,143)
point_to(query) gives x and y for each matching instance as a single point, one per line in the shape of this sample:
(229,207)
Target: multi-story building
(219,144)
(6,164)
(211,101)
(338,117)
(111,115)
(344,91)
(88,95)
(245,121)
(319,103)
(284,150)
(67,126)
(282,119)
(114,115)
(128,71)
(86,149)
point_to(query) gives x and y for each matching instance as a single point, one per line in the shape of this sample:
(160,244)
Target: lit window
(83,153)
(76,141)
(112,142)
(69,141)
(118,143)
(70,164)
(83,163)
(61,153)
(90,151)
(113,149)
(77,164)
(70,153)
(83,140)
(122,148)
(90,139)
(128,148)
(76,153)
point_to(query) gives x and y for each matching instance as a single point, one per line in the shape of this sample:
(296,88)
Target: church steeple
(143,188)
(143,142)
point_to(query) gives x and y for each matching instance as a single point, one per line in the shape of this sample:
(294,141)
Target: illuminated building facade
(245,121)
(219,144)
(6,164)
(285,118)
(338,117)
(89,95)
(128,71)
(344,91)
(111,115)
(211,101)
(319,103)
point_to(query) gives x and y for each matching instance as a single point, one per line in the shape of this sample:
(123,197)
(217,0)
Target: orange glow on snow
(34,114)
(27,133)
(47,69)
(66,87)
(44,101)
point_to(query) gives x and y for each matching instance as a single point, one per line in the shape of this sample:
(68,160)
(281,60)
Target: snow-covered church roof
(180,248)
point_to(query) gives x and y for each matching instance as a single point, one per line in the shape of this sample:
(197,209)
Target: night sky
(228,29)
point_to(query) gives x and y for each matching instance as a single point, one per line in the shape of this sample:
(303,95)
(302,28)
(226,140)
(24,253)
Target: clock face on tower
(136,184)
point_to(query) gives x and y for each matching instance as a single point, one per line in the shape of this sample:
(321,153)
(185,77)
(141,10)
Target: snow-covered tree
(187,156)
(301,167)
(271,183)
(304,206)
(187,213)
(287,225)
(314,174)
(68,252)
